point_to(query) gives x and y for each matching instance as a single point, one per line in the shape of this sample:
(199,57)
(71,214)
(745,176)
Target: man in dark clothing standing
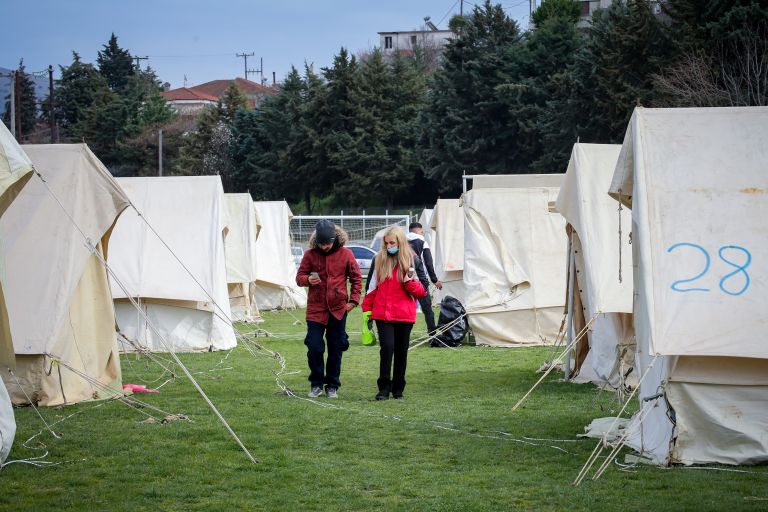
(325,269)
(421,248)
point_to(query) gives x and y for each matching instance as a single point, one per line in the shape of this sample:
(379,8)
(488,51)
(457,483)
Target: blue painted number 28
(727,254)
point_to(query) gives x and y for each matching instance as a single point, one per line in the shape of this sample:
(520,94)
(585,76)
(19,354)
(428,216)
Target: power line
(245,58)
(449,12)
(138,60)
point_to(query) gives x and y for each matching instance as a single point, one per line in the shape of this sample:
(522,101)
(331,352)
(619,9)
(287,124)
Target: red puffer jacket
(329,297)
(393,301)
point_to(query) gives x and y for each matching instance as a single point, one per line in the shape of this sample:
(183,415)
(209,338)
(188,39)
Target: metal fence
(361,228)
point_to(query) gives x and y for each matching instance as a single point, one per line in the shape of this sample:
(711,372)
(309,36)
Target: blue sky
(200,39)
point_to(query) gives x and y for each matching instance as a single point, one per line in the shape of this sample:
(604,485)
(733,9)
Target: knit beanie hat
(325,232)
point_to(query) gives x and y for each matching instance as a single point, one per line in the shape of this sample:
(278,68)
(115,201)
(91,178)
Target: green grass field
(452,444)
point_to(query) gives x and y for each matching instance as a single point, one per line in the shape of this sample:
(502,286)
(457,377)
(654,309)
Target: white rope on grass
(604,440)
(175,357)
(32,404)
(554,362)
(115,395)
(93,249)
(417,342)
(622,441)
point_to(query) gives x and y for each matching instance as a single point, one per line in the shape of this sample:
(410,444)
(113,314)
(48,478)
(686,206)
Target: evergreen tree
(115,65)
(262,140)
(145,103)
(366,157)
(209,149)
(543,60)
(467,126)
(551,9)
(77,89)
(231,101)
(26,101)
(336,131)
(614,70)
(103,125)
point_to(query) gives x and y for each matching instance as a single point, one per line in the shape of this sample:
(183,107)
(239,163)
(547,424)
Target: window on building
(585,9)
(413,41)
(387,42)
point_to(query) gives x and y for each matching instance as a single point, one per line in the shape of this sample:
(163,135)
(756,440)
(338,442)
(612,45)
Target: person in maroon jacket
(325,269)
(391,299)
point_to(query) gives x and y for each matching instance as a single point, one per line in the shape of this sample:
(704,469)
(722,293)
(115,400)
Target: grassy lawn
(452,444)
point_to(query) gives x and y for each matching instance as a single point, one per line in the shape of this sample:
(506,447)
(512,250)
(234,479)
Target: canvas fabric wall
(275,286)
(56,290)
(514,263)
(15,171)
(240,248)
(191,311)
(447,225)
(696,182)
(600,241)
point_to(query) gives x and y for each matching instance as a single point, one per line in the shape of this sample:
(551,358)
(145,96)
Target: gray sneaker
(315,392)
(331,393)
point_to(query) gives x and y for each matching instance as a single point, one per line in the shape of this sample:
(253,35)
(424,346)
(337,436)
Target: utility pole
(461,8)
(259,71)
(51,113)
(17,87)
(13,103)
(138,61)
(160,153)
(245,58)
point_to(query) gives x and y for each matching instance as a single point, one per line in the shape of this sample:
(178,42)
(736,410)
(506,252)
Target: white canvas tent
(59,305)
(275,286)
(191,313)
(425,219)
(697,183)
(447,225)
(601,269)
(15,171)
(240,248)
(514,260)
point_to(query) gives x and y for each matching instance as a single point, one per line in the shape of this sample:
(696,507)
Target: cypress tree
(467,126)
(77,89)
(26,101)
(115,65)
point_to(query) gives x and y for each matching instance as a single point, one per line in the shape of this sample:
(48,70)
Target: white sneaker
(315,392)
(331,393)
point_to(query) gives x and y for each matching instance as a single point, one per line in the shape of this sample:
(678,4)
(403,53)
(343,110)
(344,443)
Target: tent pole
(569,317)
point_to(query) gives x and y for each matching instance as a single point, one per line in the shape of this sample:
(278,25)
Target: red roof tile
(184,93)
(218,87)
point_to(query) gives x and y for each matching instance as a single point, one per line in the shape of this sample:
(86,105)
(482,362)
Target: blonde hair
(385,262)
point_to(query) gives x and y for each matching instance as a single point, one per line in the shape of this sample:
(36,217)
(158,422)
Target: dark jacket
(334,268)
(417,265)
(393,301)
(421,248)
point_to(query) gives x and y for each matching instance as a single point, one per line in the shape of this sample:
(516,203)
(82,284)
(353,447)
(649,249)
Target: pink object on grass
(138,388)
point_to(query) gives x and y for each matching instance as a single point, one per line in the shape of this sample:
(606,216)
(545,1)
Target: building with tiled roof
(190,100)
(253,91)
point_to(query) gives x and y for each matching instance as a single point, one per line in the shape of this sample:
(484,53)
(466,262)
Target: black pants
(393,338)
(426,307)
(321,372)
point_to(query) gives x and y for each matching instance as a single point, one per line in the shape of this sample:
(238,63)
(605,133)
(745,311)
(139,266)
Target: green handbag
(368,338)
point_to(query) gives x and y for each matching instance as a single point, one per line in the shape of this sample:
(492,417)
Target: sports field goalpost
(361,228)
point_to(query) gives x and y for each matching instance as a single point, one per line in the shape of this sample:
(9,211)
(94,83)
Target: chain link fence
(361,228)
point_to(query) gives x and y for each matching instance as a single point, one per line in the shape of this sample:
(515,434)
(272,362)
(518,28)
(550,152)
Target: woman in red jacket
(392,302)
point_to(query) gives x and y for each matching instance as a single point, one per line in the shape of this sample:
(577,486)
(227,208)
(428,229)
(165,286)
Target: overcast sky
(200,39)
